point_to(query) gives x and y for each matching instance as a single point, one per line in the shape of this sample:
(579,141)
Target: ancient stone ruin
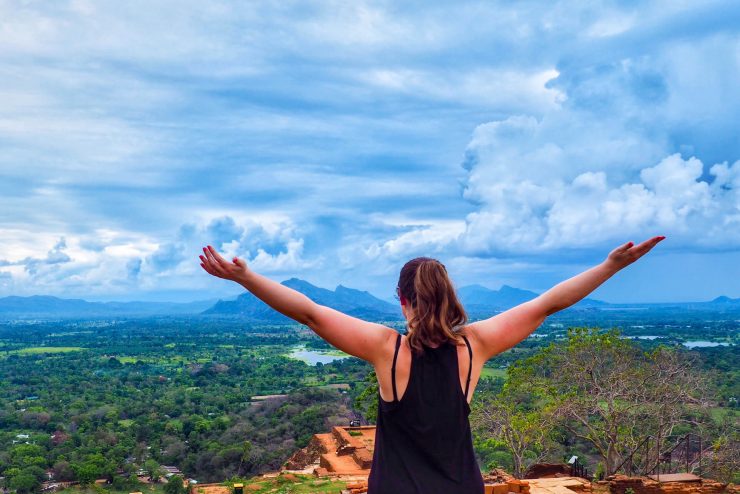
(346,454)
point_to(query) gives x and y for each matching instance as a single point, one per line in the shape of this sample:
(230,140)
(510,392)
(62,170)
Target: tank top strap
(470,366)
(393,367)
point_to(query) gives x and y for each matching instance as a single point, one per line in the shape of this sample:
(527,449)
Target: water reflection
(313,357)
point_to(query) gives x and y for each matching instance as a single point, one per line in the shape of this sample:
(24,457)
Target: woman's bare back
(403,366)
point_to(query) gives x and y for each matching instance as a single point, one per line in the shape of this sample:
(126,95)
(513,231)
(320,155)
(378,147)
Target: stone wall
(618,484)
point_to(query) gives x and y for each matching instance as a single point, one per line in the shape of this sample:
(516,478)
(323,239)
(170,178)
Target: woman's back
(423,441)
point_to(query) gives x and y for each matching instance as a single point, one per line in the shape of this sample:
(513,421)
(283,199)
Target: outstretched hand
(626,254)
(214,264)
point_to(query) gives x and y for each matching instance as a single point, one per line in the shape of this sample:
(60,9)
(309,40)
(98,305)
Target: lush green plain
(46,349)
(100,399)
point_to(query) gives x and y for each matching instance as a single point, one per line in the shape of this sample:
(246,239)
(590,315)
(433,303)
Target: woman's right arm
(363,339)
(505,330)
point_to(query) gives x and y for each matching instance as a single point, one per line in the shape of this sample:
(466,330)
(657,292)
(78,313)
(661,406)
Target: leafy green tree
(605,390)
(492,452)
(113,362)
(11,472)
(152,468)
(36,471)
(512,417)
(174,485)
(724,456)
(86,473)
(174,426)
(23,455)
(367,400)
(24,483)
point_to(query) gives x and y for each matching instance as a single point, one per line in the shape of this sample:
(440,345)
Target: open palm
(214,263)
(628,253)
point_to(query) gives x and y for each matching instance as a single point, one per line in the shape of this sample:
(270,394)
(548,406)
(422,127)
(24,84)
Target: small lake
(703,344)
(645,337)
(313,357)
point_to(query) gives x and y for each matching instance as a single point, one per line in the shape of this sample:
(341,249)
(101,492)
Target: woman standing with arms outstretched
(426,378)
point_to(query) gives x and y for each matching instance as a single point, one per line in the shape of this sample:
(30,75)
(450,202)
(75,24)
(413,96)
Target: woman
(427,377)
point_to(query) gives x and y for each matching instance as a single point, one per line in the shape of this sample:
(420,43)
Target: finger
(217,256)
(625,247)
(209,255)
(639,250)
(212,264)
(222,264)
(205,262)
(645,246)
(650,243)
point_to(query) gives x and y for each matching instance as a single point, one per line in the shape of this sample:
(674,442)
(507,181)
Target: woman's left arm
(508,328)
(354,336)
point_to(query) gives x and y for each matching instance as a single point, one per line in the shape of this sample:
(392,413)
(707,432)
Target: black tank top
(423,443)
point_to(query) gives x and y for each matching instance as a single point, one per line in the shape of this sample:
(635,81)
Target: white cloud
(109,263)
(289,260)
(91,263)
(502,88)
(547,211)
(610,25)
(602,166)
(382,253)
(270,247)
(429,239)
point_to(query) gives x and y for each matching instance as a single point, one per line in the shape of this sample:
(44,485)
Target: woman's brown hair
(437,312)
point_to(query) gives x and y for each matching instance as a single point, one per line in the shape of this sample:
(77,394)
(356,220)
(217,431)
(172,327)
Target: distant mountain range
(348,300)
(478,301)
(47,306)
(722,300)
(477,298)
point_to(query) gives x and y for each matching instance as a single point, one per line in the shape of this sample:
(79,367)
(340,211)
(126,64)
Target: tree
(607,391)
(367,400)
(24,483)
(516,420)
(23,455)
(246,457)
(63,471)
(724,456)
(174,485)
(86,472)
(153,469)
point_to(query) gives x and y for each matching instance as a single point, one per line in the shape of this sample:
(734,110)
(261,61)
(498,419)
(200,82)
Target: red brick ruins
(346,453)
(343,451)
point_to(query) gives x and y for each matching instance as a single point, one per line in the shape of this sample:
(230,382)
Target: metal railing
(578,469)
(648,459)
(681,455)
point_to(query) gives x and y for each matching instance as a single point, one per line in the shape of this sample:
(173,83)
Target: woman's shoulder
(467,339)
(464,330)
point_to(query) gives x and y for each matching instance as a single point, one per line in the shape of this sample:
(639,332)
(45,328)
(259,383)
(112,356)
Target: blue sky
(518,142)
